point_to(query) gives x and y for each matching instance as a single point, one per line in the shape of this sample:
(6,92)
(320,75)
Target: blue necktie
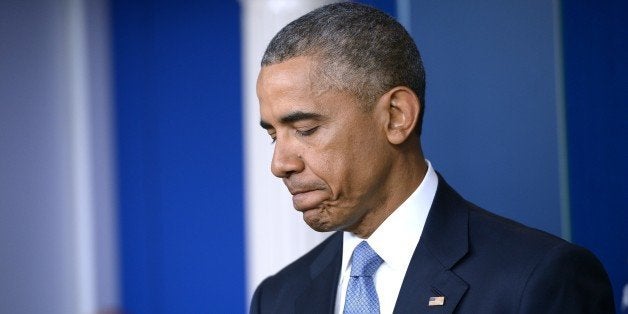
(361,295)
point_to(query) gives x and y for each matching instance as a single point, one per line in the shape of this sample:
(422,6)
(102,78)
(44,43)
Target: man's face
(331,154)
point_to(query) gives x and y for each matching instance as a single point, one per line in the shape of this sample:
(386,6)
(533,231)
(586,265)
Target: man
(341,94)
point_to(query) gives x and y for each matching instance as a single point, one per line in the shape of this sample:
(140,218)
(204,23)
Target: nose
(286,160)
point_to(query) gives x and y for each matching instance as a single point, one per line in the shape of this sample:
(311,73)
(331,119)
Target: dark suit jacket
(480,263)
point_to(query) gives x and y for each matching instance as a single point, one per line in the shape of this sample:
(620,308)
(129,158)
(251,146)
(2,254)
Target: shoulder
(517,245)
(508,265)
(573,277)
(282,288)
(544,273)
(483,235)
(489,234)
(299,270)
(500,233)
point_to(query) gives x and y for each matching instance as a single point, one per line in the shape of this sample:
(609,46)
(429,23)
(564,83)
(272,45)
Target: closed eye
(307,132)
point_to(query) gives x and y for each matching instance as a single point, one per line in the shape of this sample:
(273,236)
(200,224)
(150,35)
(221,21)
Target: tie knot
(364,261)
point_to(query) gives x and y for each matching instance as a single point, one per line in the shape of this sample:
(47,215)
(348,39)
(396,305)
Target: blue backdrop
(596,91)
(491,118)
(177,81)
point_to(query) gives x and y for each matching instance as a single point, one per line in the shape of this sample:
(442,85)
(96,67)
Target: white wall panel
(276,233)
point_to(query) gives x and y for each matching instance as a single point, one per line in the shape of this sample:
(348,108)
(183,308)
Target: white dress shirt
(394,241)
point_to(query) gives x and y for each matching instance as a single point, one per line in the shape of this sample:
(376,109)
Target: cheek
(337,168)
(326,166)
(343,158)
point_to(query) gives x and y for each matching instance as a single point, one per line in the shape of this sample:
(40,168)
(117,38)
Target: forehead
(291,86)
(285,77)
(285,87)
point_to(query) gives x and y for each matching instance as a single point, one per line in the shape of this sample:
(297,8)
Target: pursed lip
(296,192)
(304,197)
(296,188)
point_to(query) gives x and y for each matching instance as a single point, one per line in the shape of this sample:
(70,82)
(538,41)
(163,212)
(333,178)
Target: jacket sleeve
(569,279)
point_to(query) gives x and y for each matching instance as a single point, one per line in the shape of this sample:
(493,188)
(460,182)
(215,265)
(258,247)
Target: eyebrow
(293,117)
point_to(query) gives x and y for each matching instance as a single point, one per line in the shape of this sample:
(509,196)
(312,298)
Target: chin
(319,222)
(319,226)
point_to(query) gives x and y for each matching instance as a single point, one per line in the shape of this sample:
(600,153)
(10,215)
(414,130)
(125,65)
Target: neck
(407,173)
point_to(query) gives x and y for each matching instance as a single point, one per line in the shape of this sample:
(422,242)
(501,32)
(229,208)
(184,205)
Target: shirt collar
(397,237)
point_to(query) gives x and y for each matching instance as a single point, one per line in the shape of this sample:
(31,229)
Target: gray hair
(356,48)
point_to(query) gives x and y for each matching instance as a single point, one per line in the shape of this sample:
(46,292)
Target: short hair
(356,48)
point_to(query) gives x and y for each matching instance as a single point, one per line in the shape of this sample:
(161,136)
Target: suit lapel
(320,295)
(443,243)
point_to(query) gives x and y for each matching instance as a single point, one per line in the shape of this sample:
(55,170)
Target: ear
(403,110)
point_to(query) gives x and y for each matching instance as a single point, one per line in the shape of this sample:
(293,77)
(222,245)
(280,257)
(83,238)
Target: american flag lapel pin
(436,301)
